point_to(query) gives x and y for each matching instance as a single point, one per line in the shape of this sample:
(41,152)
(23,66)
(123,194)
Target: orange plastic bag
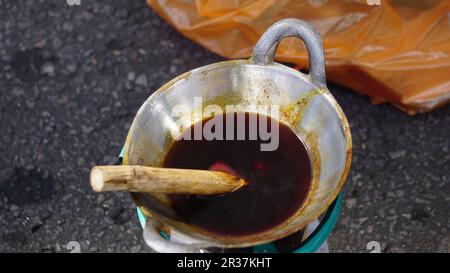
(398,52)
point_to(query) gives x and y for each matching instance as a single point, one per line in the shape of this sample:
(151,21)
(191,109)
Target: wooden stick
(163,180)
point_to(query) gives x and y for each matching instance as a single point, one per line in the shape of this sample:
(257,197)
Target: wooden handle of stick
(163,180)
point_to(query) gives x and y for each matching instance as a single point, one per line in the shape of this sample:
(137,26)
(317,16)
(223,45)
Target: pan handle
(264,51)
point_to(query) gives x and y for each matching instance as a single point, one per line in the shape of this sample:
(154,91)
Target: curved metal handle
(264,51)
(154,240)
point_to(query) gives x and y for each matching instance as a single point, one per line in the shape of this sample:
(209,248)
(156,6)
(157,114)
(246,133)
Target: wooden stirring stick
(163,180)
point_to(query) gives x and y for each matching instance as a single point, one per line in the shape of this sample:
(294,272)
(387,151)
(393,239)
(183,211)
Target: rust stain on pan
(293,112)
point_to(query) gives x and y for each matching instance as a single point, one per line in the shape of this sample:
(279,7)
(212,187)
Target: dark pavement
(72,79)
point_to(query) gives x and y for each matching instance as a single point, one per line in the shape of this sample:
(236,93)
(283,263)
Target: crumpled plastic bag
(397,52)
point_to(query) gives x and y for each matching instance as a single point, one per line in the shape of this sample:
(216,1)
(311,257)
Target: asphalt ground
(72,79)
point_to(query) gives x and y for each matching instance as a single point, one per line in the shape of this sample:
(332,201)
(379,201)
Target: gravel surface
(72,79)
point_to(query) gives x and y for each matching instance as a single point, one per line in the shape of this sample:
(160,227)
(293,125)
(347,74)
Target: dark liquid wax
(279,181)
